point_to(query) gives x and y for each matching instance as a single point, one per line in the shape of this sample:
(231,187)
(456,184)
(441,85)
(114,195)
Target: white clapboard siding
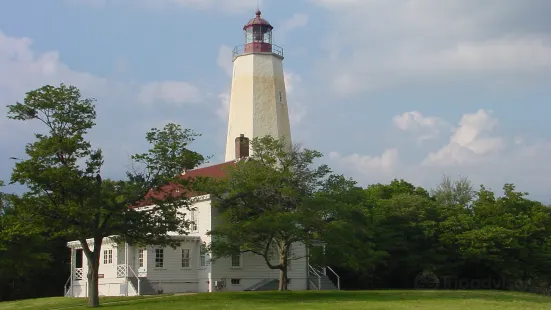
(172,277)
(172,270)
(254,269)
(109,270)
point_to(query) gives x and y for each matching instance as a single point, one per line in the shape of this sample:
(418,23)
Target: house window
(203,256)
(235,281)
(108,256)
(140,257)
(193,220)
(159,258)
(236,260)
(185,258)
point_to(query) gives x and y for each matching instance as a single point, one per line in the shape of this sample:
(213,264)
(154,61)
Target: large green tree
(269,202)
(68,197)
(349,234)
(510,234)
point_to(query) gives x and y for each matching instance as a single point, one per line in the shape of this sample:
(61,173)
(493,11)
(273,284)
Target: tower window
(280,97)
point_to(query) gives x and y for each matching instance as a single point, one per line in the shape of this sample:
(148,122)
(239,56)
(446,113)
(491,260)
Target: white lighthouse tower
(258,101)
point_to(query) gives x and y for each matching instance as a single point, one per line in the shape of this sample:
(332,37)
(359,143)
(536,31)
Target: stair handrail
(65,286)
(338,277)
(317,274)
(313,284)
(136,276)
(259,284)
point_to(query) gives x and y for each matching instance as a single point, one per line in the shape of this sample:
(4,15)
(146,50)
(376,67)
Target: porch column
(126,266)
(73,264)
(324,262)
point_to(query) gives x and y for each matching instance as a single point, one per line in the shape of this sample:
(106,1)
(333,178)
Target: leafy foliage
(67,196)
(380,236)
(268,202)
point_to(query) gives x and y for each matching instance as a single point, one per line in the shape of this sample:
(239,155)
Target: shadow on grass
(347,296)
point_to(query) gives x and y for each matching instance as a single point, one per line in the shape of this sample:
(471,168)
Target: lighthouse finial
(258,8)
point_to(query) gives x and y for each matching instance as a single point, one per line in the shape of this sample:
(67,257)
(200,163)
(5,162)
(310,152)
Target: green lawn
(373,300)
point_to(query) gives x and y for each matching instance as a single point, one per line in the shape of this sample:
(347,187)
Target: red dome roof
(257,21)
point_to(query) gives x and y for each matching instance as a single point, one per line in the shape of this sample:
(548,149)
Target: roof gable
(175,190)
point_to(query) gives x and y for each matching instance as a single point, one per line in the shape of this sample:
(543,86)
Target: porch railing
(137,277)
(79,273)
(336,275)
(316,273)
(122,271)
(67,287)
(320,272)
(240,50)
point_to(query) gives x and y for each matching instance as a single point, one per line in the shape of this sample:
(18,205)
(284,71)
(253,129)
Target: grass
(374,300)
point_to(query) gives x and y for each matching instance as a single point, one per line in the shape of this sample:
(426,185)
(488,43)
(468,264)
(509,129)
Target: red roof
(215,171)
(257,21)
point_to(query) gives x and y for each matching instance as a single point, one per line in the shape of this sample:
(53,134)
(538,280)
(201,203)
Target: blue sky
(408,89)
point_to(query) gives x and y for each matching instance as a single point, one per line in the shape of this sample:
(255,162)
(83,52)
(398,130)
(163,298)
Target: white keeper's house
(258,107)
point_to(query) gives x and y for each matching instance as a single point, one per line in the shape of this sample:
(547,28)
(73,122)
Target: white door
(140,260)
(204,282)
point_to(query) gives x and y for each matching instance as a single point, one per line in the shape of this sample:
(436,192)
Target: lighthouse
(258,100)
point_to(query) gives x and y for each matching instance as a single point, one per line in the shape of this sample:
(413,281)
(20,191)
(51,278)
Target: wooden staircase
(318,278)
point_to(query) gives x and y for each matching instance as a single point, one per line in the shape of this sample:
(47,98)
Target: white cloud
(223,109)
(230,6)
(475,149)
(296,21)
(225,5)
(297,110)
(383,164)
(417,41)
(425,127)
(22,70)
(174,92)
(472,140)
(224,59)
(291,80)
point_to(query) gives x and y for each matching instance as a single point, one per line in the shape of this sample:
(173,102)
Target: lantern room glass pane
(249,35)
(268,37)
(258,36)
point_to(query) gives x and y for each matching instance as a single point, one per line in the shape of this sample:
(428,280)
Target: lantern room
(258,35)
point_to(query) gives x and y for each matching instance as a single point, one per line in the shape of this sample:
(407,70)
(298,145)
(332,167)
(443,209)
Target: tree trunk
(283,278)
(283,269)
(93,269)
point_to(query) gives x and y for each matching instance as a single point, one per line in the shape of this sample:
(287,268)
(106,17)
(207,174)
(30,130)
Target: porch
(126,270)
